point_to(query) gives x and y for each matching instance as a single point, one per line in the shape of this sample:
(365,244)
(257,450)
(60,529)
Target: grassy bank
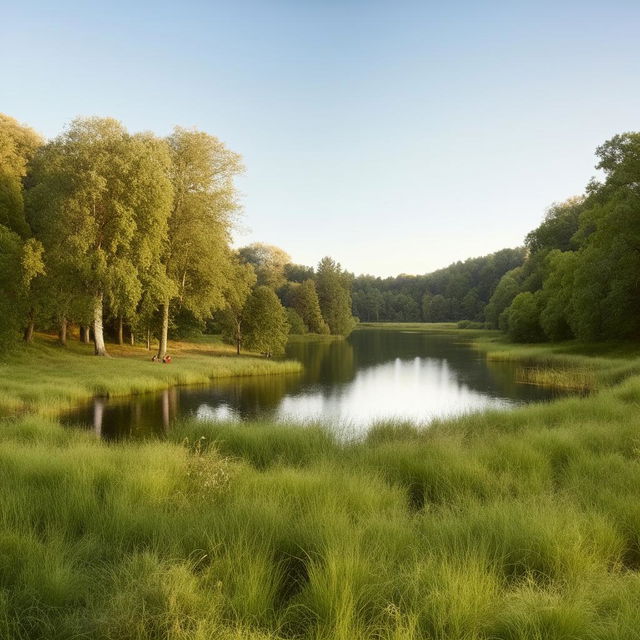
(499,525)
(46,378)
(569,365)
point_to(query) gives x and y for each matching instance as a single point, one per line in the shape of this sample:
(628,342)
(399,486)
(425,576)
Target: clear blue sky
(393,136)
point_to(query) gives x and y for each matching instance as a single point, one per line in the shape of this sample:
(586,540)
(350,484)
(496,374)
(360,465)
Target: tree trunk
(162,347)
(28,332)
(120,331)
(62,332)
(132,337)
(84,334)
(98,335)
(148,339)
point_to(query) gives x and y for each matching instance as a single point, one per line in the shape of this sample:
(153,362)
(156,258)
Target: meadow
(514,525)
(48,379)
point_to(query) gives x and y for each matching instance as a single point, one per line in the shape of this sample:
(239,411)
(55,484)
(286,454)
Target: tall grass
(515,525)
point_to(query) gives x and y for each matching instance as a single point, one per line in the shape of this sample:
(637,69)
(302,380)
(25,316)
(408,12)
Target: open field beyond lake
(506,524)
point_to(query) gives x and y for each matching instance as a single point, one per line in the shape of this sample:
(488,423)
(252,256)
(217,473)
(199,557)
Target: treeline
(122,233)
(460,291)
(581,278)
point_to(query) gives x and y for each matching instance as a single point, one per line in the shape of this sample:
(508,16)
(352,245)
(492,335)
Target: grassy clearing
(498,525)
(47,378)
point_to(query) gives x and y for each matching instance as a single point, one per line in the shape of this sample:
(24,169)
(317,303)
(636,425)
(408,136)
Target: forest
(580,277)
(131,234)
(575,277)
(460,291)
(118,233)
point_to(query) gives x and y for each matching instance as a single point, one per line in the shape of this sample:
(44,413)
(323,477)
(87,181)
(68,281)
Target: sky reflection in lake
(372,376)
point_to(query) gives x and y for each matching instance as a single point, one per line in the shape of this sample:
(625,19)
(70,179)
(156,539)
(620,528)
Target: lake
(373,375)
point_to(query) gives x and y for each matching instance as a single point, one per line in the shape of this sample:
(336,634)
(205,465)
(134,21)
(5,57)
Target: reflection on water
(371,376)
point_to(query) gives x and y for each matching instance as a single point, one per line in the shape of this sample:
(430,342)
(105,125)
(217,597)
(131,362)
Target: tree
(269,263)
(20,263)
(556,295)
(298,272)
(241,281)
(307,304)
(524,318)
(296,323)
(267,327)
(558,228)
(197,255)
(18,144)
(508,288)
(585,257)
(100,203)
(334,294)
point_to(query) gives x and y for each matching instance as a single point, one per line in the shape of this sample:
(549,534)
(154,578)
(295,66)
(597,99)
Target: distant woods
(460,291)
(578,275)
(127,237)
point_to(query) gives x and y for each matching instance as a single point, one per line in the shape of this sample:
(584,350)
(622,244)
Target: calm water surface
(375,374)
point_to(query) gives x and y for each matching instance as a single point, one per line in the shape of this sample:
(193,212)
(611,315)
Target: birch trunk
(62,332)
(162,347)
(98,335)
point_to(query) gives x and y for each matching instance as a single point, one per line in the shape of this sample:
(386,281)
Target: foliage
(268,261)
(267,327)
(436,308)
(307,305)
(241,281)
(523,320)
(585,256)
(196,252)
(298,272)
(18,144)
(334,295)
(296,323)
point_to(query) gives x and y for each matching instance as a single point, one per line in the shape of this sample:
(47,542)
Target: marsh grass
(566,365)
(571,378)
(518,525)
(46,378)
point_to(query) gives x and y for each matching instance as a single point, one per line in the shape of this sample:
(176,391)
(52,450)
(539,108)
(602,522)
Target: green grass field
(501,525)
(46,378)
